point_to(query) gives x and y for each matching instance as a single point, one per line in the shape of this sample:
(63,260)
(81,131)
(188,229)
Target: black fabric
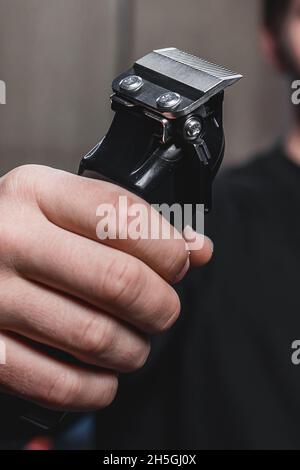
(223,378)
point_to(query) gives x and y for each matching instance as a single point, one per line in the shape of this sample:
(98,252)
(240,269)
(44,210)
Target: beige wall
(58,58)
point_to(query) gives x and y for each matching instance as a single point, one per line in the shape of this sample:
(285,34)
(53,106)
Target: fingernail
(183,272)
(194,240)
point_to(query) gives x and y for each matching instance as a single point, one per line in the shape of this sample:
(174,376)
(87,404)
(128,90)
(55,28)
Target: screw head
(168,100)
(192,128)
(131,83)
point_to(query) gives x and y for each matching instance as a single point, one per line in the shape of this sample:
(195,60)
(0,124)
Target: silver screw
(192,128)
(168,100)
(131,83)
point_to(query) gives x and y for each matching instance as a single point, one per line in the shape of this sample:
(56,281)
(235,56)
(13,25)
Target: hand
(61,287)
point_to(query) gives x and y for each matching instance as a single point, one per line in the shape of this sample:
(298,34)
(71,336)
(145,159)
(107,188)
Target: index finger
(75,204)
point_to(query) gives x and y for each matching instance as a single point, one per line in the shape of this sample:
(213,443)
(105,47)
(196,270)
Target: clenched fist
(62,287)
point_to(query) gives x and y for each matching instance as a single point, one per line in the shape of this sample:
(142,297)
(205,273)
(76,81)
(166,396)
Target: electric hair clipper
(166,142)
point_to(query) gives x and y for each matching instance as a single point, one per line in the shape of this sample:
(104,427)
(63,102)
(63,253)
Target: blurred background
(58,58)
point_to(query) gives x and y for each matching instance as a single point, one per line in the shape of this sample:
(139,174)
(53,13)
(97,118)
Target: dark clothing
(223,377)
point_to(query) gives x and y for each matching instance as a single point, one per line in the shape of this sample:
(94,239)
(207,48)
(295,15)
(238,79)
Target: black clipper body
(166,142)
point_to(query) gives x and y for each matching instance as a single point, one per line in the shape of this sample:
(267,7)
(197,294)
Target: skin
(61,287)
(283,53)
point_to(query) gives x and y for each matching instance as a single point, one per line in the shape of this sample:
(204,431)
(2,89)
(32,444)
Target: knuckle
(17,198)
(19,179)
(96,337)
(122,280)
(12,241)
(63,389)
